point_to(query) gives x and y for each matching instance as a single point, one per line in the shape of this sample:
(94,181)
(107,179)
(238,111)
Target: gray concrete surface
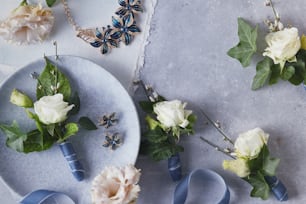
(186,59)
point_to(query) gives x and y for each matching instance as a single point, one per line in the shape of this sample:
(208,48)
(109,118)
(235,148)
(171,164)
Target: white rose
(283,46)
(238,166)
(27,24)
(172,113)
(116,186)
(249,144)
(52,109)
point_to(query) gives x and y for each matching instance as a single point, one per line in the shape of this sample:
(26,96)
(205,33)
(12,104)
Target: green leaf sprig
(267,71)
(51,81)
(161,143)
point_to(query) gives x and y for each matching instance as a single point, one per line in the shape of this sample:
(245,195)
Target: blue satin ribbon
(75,166)
(181,190)
(277,187)
(42,196)
(174,167)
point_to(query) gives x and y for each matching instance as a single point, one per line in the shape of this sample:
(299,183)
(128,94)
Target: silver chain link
(71,20)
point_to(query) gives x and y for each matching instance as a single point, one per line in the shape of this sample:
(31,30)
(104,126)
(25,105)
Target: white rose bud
(238,166)
(283,46)
(20,99)
(52,109)
(249,144)
(172,113)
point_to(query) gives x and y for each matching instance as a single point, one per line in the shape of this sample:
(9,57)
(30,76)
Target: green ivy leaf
(263,72)
(50,3)
(260,187)
(70,130)
(51,76)
(300,72)
(15,137)
(146,106)
(87,124)
(156,135)
(75,100)
(38,141)
(275,74)
(161,151)
(246,47)
(288,72)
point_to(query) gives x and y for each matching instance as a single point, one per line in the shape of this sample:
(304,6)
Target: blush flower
(116,186)
(27,24)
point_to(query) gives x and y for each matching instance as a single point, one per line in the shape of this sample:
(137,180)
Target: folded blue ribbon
(277,187)
(75,165)
(43,196)
(174,167)
(205,175)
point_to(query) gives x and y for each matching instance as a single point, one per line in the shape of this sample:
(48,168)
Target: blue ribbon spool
(174,167)
(43,196)
(75,165)
(277,187)
(207,177)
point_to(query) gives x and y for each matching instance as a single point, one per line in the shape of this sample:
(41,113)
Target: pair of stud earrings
(112,140)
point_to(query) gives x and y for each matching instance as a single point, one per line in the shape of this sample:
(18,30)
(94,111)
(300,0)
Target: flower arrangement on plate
(284,56)
(167,121)
(53,106)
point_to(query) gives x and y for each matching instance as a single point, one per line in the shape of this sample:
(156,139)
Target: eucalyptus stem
(226,138)
(217,147)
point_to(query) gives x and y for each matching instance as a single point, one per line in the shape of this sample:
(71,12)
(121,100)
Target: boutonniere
(167,121)
(251,161)
(50,112)
(283,58)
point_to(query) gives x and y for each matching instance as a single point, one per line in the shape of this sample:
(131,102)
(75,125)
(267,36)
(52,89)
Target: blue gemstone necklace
(123,27)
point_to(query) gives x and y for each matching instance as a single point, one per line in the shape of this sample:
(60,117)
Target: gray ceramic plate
(100,93)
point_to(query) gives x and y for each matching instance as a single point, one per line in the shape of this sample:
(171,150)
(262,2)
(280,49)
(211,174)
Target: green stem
(24,3)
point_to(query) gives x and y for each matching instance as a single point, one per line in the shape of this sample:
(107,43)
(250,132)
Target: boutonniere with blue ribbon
(283,58)
(167,121)
(251,161)
(53,106)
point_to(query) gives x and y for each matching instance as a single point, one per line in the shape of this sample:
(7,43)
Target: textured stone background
(186,59)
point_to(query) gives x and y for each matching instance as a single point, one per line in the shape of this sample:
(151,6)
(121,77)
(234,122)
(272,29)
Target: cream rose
(52,109)
(27,24)
(116,186)
(249,144)
(283,45)
(172,113)
(238,166)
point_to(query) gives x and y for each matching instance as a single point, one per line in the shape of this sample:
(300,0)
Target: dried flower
(116,186)
(27,24)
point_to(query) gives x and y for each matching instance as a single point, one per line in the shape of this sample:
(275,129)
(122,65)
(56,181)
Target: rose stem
(226,138)
(217,147)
